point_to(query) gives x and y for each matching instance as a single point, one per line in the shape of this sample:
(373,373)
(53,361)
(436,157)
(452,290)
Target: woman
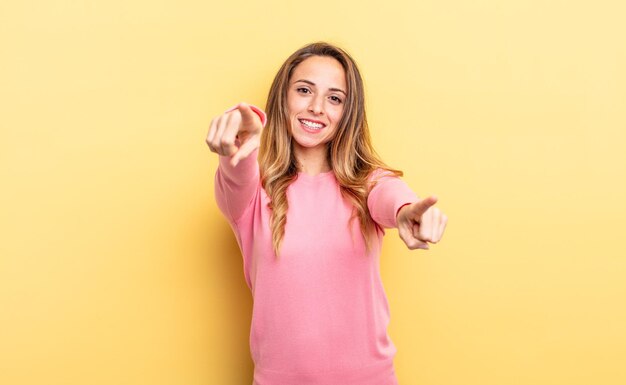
(308,198)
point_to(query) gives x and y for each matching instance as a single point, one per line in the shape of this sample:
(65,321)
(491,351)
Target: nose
(316,105)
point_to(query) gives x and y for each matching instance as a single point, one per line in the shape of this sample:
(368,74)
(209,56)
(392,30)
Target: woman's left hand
(420,223)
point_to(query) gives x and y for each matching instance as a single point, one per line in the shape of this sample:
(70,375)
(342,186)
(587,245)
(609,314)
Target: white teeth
(311,124)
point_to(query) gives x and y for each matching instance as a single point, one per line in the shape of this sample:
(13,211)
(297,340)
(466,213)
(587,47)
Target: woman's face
(315,100)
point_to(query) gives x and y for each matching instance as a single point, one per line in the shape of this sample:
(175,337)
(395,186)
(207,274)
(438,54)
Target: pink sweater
(320,312)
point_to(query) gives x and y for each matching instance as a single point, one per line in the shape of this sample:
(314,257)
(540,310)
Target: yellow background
(116,266)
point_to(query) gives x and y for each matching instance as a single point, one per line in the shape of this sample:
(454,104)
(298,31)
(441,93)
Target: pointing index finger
(247,115)
(421,206)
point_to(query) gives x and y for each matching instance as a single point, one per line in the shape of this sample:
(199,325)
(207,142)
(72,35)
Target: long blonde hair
(351,155)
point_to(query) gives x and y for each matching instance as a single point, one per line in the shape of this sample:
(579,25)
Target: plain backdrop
(116,266)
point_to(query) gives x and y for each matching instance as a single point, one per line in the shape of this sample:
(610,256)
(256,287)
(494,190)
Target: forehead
(324,71)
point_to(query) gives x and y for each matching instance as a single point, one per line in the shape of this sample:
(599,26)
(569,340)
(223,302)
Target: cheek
(335,115)
(295,101)
(292,104)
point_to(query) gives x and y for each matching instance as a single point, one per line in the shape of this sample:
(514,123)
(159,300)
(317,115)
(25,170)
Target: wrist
(400,209)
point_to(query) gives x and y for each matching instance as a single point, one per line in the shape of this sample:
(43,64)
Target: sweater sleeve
(388,194)
(236,186)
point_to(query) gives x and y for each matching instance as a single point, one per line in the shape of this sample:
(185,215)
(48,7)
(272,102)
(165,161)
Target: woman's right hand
(235,133)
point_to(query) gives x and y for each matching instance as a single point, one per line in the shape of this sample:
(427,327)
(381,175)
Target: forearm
(235,186)
(386,199)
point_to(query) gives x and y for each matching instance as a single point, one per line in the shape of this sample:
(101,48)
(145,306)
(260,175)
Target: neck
(311,161)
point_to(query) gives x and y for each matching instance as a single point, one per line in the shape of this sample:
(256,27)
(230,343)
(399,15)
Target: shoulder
(379,175)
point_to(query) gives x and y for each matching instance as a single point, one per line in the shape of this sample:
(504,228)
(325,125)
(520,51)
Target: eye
(303,90)
(336,99)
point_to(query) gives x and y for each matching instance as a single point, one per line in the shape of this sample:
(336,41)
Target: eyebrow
(331,89)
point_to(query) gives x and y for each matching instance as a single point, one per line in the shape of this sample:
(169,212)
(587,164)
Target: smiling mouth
(311,125)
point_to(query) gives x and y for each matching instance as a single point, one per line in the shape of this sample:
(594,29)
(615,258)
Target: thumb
(418,208)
